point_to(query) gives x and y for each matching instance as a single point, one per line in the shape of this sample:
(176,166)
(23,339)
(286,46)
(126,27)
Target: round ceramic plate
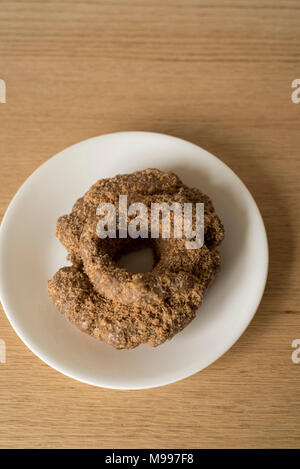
(30,254)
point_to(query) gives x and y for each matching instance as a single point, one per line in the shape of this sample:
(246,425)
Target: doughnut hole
(134,255)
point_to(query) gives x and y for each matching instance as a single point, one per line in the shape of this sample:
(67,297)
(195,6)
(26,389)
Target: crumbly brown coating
(117,306)
(99,257)
(160,186)
(119,325)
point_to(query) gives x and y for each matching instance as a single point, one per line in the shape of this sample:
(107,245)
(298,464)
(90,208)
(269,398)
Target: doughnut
(119,307)
(123,326)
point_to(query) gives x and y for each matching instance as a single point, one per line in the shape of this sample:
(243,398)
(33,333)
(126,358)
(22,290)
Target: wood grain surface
(217,73)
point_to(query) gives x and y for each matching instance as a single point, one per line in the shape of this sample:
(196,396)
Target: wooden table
(218,74)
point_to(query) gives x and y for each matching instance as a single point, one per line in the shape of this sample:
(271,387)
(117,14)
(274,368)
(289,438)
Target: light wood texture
(217,73)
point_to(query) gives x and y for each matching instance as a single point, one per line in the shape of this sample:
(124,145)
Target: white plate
(30,254)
